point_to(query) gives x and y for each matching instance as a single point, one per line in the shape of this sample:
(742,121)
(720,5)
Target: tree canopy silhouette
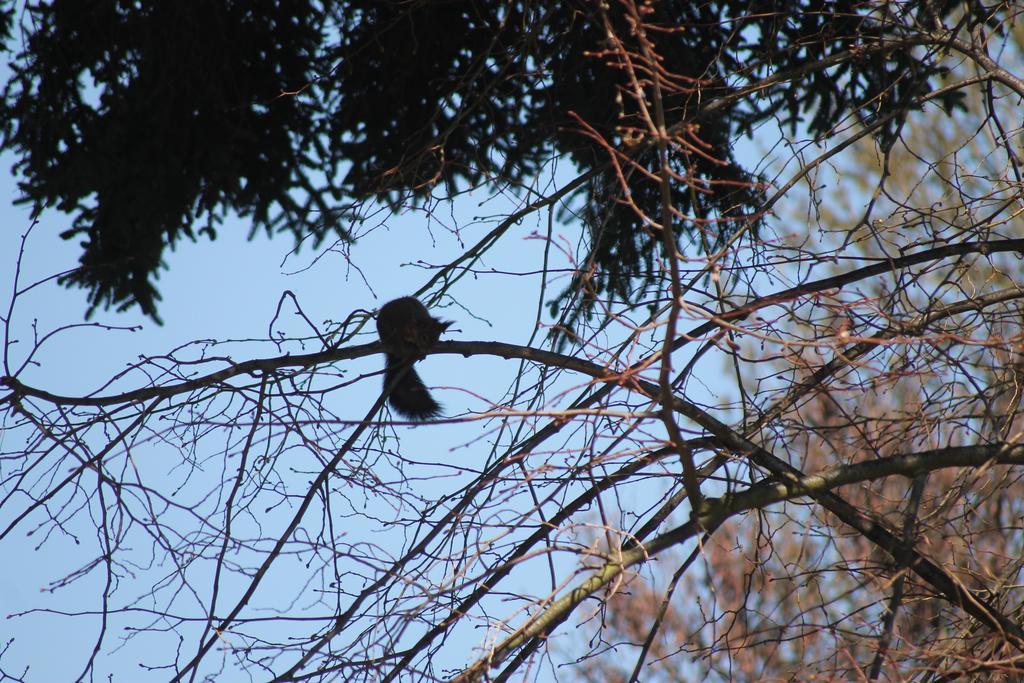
(790,448)
(149,121)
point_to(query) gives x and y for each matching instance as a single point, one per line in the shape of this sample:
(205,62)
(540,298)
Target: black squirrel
(407,331)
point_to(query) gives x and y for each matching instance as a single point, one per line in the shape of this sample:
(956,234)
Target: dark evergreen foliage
(142,119)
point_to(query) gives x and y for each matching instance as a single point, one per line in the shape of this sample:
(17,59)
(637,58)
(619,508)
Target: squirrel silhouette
(407,331)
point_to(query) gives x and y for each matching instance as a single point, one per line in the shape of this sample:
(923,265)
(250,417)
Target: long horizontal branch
(254,367)
(263,365)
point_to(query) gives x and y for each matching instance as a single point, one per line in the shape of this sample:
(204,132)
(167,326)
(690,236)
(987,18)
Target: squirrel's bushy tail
(409,397)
